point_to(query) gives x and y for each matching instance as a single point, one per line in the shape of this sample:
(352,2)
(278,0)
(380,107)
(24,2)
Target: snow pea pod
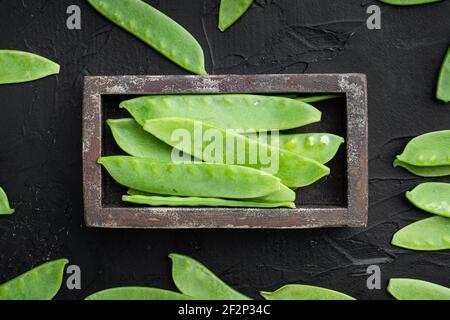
(321,147)
(40,283)
(293,170)
(137,293)
(189,179)
(304,292)
(318,98)
(443,83)
(231,111)
(433,197)
(135,141)
(425,235)
(413,289)
(155,29)
(194,279)
(408,2)
(172,201)
(4,203)
(428,150)
(230,11)
(438,171)
(19,66)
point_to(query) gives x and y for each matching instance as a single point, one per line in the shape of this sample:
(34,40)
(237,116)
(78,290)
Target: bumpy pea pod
(408,2)
(321,147)
(304,292)
(4,203)
(40,283)
(232,111)
(230,11)
(428,150)
(155,29)
(20,66)
(433,197)
(413,289)
(137,293)
(318,98)
(190,179)
(293,169)
(425,235)
(443,84)
(194,279)
(438,171)
(172,201)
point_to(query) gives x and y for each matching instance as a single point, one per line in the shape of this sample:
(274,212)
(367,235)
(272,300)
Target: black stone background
(40,130)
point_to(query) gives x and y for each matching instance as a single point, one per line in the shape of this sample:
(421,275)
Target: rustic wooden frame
(354,215)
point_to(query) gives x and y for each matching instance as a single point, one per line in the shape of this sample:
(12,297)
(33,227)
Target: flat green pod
(230,11)
(5,208)
(429,234)
(443,83)
(231,111)
(428,150)
(189,179)
(304,292)
(173,201)
(40,283)
(408,2)
(293,170)
(438,171)
(155,29)
(19,66)
(135,141)
(413,289)
(137,293)
(433,197)
(194,279)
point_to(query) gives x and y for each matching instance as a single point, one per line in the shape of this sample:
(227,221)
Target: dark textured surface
(40,159)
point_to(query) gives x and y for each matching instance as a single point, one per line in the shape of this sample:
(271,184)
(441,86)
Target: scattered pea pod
(304,292)
(443,83)
(20,66)
(293,170)
(155,29)
(230,11)
(231,111)
(428,150)
(318,98)
(4,203)
(195,280)
(433,197)
(413,289)
(40,283)
(438,171)
(137,293)
(425,235)
(173,201)
(408,2)
(190,179)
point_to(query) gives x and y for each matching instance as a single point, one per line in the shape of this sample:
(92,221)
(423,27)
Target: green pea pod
(433,197)
(158,201)
(232,111)
(293,169)
(155,29)
(318,98)
(443,84)
(408,2)
(4,203)
(413,289)
(428,150)
(321,147)
(40,283)
(20,66)
(137,293)
(193,279)
(190,179)
(230,11)
(304,292)
(438,171)
(425,235)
